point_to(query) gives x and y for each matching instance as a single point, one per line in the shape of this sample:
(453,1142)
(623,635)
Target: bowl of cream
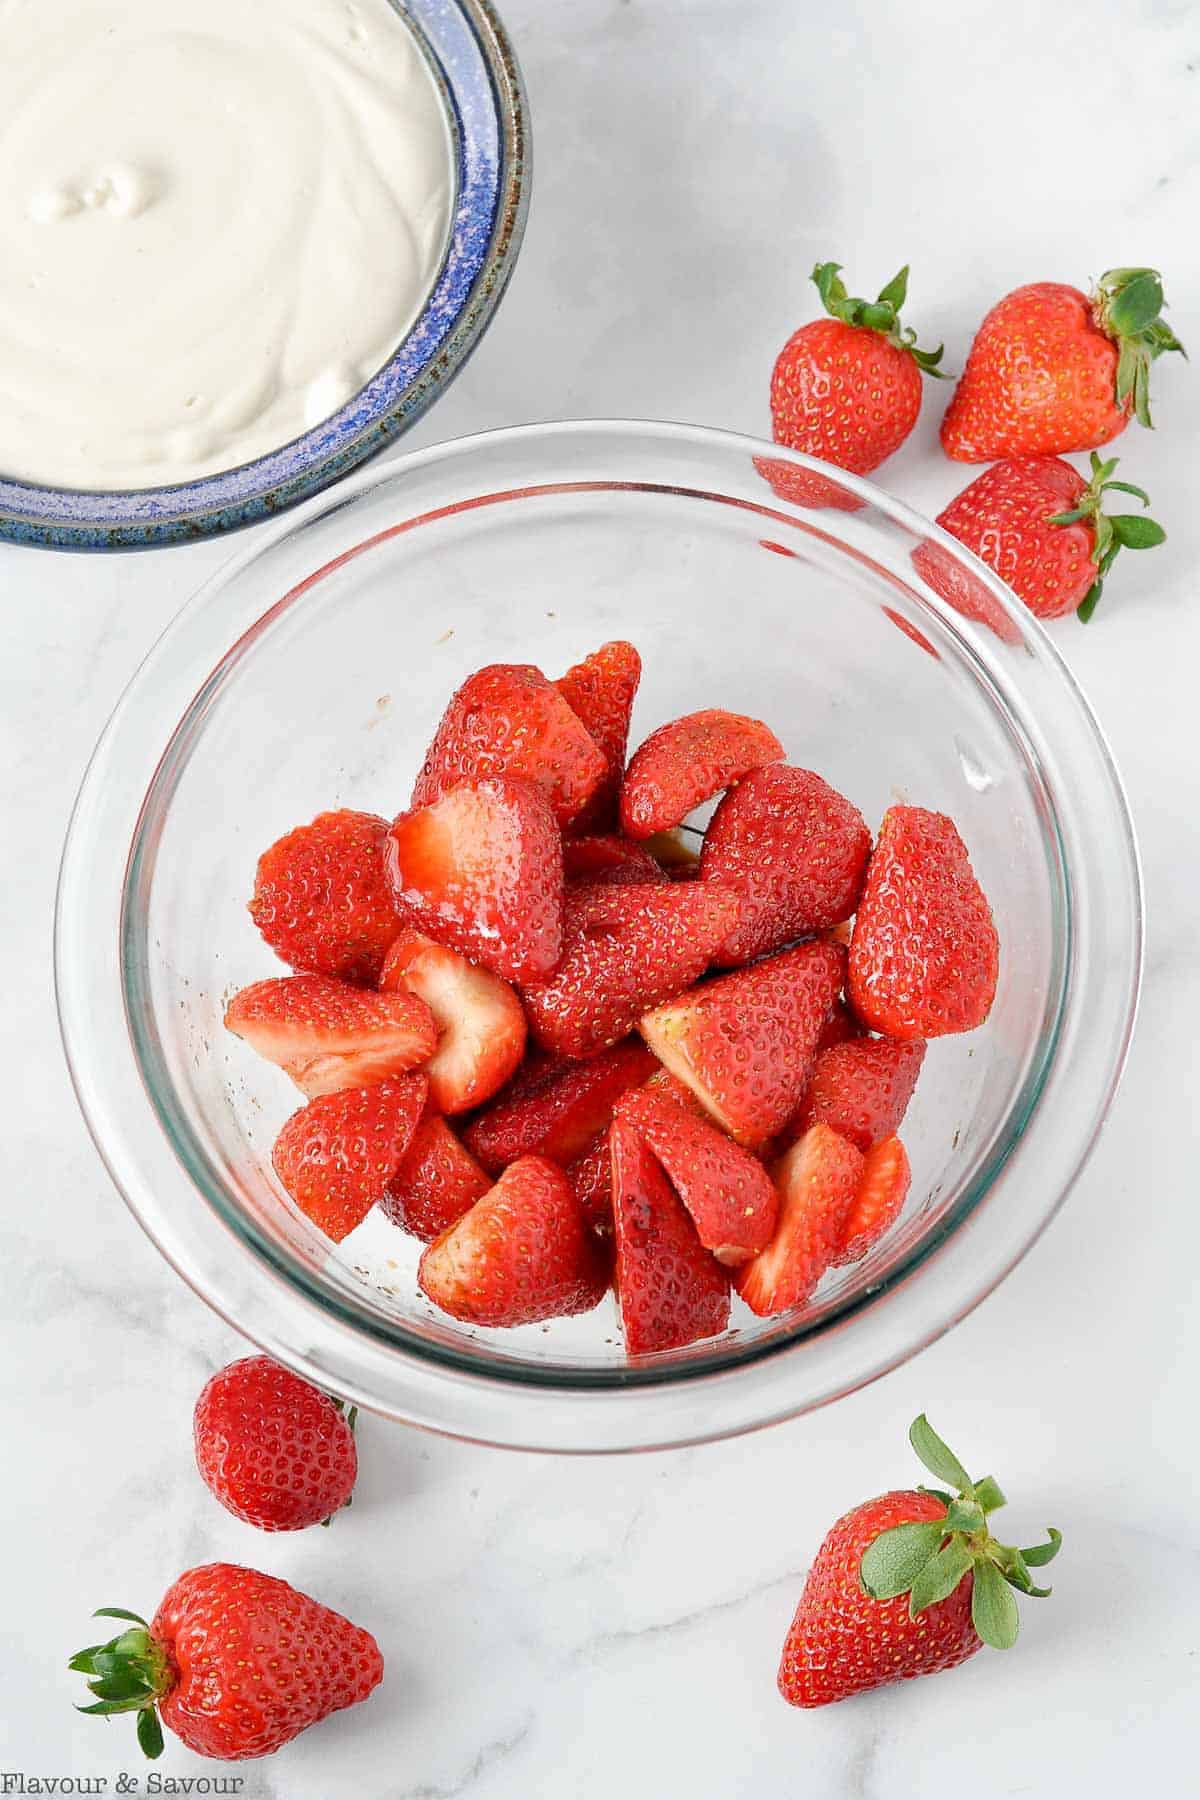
(242,248)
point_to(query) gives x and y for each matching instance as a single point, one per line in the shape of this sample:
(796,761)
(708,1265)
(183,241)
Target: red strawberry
(1041,527)
(906,1585)
(961,587)
(848,388)
(600,691)
(276,1451)
(671,1291)
(624,949)
(327,1034)
(817,1181)
(590,1175)
(522,1254)
(481,871)
(841,1024)
(508,720)
(478,1016)
(803,487)
(879,1201)
(862,1088)
(339,1154)
(795,853)
(611,860)
(745,1042)
(728,1193)
(321,899)
(1052,371)
(236,1663)
(438,1181)
(555,1108)
(924,957)
(686,762)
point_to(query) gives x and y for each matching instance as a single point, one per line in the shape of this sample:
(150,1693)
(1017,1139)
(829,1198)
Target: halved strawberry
(600,691)
(745,1043)
(555,1109)
(591,1177)
(508,720)
(726,1190)
(924,957)
(686,762)
(795,853)
(437,1182)
(671,1290)
(327,1034)
(481,1024)
(862,1088)
(817,1182)
(321,899)
(481,871)
(609,860)
(340,1154)
(882,1190)
(523,1253)
(624,949)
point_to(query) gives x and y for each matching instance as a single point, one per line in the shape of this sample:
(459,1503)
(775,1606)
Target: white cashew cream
(217,221)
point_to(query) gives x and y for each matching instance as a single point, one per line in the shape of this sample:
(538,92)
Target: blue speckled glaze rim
(480,79)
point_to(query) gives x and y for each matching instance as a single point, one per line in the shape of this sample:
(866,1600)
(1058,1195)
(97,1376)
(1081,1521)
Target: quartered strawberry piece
(862,1088)
(555,1109)
(728,1193)
(745,1043)
(340,1154)
(481,871)
(688,761)
(609,860)
(438,1181)
(795,853)
(840,1026)
(624,949)
(591,1177)
(327,1034)
(817,1182)
(882,1190)
(523,1253)
(508,720)
(321,899)
(671,1290)
(924,957)
(600,692)
(480,1022)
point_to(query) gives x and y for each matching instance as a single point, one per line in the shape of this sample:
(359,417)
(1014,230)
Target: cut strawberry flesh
(683,764)
(508,720)
(328,1035)
(591,1177)
(481,871)
(671,1290)
(817,1182)
(480,1021)
(862,1088)
(730,1196)
(338,1155)
(522,1254)
(878,1201)
(600,692)
(625,949)
(555,1109)
(438,1181)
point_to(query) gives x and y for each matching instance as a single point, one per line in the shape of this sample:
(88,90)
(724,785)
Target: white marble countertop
(559,1628)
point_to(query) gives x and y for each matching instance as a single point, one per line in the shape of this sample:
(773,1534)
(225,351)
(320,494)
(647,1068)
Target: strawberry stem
(1128,306)
(1113,531)
(927,1559)
(130,1673)
(882,315)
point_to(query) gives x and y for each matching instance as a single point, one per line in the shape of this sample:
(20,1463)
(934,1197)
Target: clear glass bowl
(311,674)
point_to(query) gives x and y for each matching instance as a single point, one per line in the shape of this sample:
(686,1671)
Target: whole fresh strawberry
(1042,527)
(1053,369)
(847,388)
(235,1663)
(276,1451)
(908,1584)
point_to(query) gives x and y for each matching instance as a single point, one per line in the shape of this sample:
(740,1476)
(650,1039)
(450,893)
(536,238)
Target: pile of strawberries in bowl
(570,1042)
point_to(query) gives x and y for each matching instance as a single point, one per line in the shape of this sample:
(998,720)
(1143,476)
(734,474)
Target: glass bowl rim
(617,1386)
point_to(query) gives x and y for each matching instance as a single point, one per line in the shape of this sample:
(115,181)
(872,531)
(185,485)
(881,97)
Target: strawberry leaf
(989,1494)
(993,1608)
(149,1733)
(940,1576)
(896,291)
(893,1561)
(1040,1554)
(1135,532)
(937,1456)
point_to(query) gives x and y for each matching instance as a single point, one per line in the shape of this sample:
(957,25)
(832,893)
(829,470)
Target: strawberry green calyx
(131,1673)
(882,315)
(1128,305)
(928,1559)
(1114,531)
